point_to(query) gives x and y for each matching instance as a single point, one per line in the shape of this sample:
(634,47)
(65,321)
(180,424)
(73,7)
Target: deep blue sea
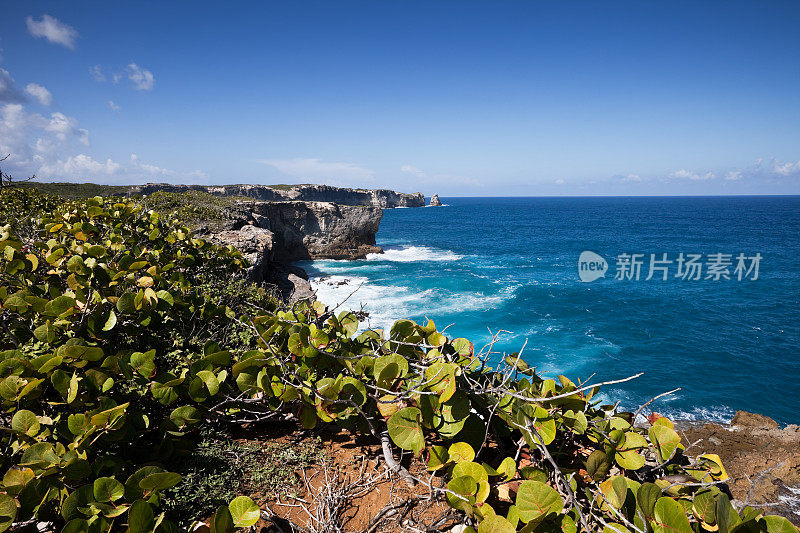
(485,264)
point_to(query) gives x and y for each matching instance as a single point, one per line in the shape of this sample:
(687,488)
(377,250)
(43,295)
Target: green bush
(111,366)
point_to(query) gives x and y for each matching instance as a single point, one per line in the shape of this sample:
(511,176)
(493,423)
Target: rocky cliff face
(305,193)
(319,230)
(273,234)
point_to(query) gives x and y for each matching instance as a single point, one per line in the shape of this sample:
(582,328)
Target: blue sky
(460,98)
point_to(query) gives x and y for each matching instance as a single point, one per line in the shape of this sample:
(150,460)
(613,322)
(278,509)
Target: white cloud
(685,174)
(54,147)
(53,30)
(8,89)
(63,126)
(34,140)
(313,169)
(560,181)
(410,169)
(142,79)
(97,73)
(786,169)
(80,166)
(40,93)
(112,106)
(631,177)
(733,175)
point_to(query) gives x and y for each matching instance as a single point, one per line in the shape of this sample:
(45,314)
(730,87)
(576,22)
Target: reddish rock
(752,420)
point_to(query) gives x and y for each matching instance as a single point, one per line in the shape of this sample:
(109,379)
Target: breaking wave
(412,254)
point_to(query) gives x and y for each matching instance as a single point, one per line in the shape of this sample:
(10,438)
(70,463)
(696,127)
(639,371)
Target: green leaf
(127,303)
(16,478)
(111,321)
(461,451)
(140,517)
(46,332)
(727,517)
(496,524)
(405,429)
(222,522)
(88,353)
(507,468)
(78,424)
(72,391)
(76,525)
(25,422)
(62,306)
(388,369)
(615,528)
(185,416)
(108,489)
(670,517)
(449,419)
(143,363)
(646,498)
(39,455)
(536,500)
(774,524)
(665,440)
(626,453)
(159,481)
(438,457)
(244,511)
(598,465)
(464,488)
(704,506)
(8,511)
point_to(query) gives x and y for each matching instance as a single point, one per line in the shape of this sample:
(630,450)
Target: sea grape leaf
(536,500)
(665,439)
(496,524)
(669,517)
(405,429)
(244,511)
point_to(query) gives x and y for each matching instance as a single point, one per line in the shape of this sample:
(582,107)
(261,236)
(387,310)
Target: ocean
(481,265)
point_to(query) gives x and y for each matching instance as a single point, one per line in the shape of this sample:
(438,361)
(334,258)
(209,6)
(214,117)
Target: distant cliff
(382,198)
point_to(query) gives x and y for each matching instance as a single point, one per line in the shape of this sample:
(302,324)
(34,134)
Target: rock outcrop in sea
(435,202)
(382,198)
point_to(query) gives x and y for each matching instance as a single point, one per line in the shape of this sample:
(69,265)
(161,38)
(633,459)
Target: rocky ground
(762,459)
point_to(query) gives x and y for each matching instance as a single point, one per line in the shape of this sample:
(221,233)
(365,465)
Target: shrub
(111,366)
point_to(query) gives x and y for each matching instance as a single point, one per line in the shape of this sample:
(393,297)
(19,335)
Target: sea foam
(412,254)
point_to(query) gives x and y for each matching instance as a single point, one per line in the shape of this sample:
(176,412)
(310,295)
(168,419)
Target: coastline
(763,458)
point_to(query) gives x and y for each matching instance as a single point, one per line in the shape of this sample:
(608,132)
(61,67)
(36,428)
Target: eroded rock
(320,230)
(255,244)
(753,420)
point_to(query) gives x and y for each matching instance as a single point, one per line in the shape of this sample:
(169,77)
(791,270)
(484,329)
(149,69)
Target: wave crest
(412,254)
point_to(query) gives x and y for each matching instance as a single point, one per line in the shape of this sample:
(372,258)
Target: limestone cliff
(273,234)
(382,198)
(319,230)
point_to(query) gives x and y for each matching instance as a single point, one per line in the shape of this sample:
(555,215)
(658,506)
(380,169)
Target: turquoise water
(485,264)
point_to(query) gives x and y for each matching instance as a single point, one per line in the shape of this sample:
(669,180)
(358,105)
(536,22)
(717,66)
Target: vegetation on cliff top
(115,361)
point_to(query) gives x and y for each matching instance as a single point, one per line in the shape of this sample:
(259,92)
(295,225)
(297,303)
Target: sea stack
(435,202)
